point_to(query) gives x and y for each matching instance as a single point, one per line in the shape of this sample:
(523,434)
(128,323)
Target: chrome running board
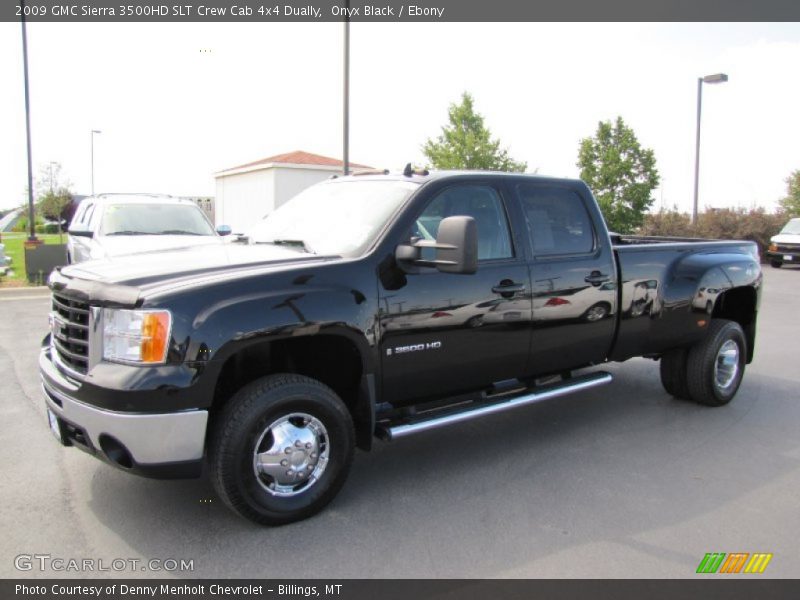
(422,423)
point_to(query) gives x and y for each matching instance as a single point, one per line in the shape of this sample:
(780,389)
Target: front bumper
(161,445)
(789,256)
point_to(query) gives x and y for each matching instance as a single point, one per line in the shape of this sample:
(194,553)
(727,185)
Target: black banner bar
(712,587)
(266,11)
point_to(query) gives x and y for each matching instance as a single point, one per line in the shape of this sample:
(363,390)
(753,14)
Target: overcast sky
(178,102)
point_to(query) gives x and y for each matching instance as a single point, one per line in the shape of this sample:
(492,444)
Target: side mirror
(224,230)
(456,247)
(77,232)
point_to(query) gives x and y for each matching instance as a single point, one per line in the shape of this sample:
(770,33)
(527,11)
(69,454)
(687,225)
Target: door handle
(596,278)
(508,288)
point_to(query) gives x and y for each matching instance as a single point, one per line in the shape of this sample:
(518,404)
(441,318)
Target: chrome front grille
(70,333)
(788,248)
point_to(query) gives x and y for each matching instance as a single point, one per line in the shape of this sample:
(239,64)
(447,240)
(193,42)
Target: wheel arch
(735,282)
(740,304)
(333,358)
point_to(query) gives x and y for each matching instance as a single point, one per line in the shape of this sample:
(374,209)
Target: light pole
(51,176)
(32,239)
(92,146)
(346,99)
(716,78)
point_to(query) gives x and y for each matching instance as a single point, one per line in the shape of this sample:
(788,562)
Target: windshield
(792,227)
(341,218)
(154,219)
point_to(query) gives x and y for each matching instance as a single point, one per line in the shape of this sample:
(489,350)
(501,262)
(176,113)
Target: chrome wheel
(716,364)
(291,454)
(726,367)
(596,313)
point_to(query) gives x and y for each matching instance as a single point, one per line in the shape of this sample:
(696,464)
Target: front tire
(715,365)
(776,264)
(281,449)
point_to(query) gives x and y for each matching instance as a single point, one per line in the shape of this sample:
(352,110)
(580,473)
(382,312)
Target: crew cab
(378,306)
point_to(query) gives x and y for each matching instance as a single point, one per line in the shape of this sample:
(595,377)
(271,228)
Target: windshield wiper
(128,232)
(178,232)
(304,246)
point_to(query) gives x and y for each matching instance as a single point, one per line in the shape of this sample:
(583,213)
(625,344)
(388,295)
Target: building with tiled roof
(298,158)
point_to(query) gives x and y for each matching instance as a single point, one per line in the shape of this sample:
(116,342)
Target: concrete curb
(13,292)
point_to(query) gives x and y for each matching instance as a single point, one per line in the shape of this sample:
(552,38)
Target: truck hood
(120,245)
(785,238)
(125,280)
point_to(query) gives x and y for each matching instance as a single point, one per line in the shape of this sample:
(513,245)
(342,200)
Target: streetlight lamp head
(716,78)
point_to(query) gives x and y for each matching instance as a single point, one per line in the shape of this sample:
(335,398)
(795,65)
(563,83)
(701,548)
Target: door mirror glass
(456,247)
(224,230)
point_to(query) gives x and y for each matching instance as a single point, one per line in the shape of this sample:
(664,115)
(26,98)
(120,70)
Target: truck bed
(668,288)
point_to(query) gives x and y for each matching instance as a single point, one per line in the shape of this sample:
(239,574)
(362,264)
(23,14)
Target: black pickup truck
(378,306)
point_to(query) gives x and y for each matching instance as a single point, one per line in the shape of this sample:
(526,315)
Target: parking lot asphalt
(621,481)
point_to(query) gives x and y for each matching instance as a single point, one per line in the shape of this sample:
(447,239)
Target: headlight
(136,336)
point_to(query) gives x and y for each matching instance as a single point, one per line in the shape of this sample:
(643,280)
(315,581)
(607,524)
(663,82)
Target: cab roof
(137,198)
(424,176)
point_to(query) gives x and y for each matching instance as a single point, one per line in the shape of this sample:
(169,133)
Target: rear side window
(558,222)
(82,216)
(87,218)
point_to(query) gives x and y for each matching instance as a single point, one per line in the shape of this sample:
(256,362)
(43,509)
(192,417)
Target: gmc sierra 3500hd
(378,305)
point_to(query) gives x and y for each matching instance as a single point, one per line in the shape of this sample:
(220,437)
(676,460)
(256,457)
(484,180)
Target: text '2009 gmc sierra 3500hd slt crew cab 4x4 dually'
(378,305)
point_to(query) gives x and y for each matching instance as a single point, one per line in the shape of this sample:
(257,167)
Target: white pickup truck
(785,247)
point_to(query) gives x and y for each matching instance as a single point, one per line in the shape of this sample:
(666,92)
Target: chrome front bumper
(150,440)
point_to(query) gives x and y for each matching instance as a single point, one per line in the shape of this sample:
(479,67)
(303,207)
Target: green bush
(667,223)
(756,225)
(22,225)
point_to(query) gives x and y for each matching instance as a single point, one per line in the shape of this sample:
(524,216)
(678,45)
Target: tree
(621,174)
(791,203)
(54,203)
(466,143)
(48,179)
(54,196)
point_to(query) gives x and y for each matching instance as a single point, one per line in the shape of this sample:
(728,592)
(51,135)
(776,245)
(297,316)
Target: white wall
(290,182)
(244,198)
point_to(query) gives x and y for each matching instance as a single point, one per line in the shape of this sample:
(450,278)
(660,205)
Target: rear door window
(557,219)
